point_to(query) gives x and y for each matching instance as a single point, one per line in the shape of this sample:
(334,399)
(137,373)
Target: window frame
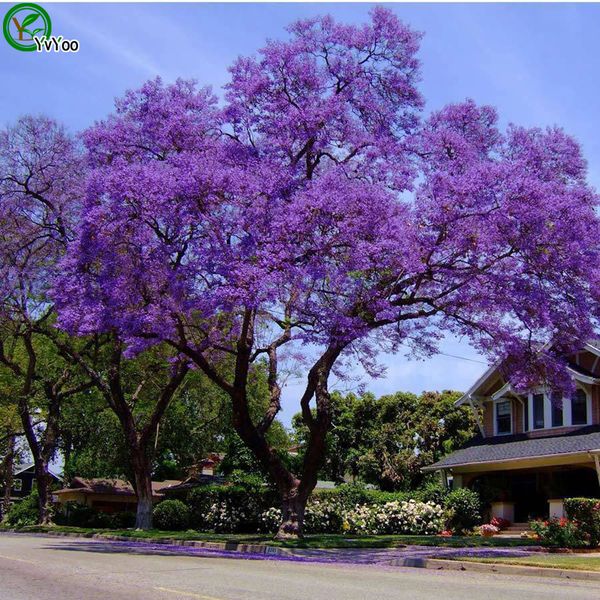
(567,420)
(532,421)
(511,415)
(587,408)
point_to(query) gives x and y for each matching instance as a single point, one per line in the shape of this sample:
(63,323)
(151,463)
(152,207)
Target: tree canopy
(316,216)
(386,441)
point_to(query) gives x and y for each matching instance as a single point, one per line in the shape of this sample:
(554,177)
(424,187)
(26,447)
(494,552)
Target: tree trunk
(43,487)
(8,473)
(292,512)
(143,489)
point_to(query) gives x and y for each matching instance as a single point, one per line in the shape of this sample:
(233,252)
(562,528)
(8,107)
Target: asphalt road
(33,568)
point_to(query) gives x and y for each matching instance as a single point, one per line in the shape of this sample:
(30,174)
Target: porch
(521,495)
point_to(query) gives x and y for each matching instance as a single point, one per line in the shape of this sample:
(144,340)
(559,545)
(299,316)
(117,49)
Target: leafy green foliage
(171,515)
(230,508)
(196,423)
(24,512)
(78,515)
(464,508)
(559,533)
(386,441)
(586,513)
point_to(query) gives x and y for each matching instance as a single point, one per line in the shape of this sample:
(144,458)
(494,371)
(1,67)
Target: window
(18,485)
(557,411)
(579,411)
(526,415)
(538,411)
(503,418)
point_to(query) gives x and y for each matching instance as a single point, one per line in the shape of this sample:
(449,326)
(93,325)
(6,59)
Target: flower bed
(406,517)
(560,533)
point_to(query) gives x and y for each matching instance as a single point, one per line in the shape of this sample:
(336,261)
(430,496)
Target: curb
(438,564)
(229,546)
(441,564)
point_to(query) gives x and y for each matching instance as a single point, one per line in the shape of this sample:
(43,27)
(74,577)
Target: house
(106,495)
(24,479)
(532,451)
(199,474)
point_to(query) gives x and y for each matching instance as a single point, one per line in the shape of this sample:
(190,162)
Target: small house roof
(193,482)
(112,487)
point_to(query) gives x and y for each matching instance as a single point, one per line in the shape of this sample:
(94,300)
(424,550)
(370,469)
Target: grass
(580,562)
(309,541)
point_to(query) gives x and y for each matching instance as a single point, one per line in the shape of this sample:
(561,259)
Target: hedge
(328,516)
(80,515)
(586,513)
(347,508)
(229,509)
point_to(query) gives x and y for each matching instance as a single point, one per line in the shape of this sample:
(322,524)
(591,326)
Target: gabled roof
(29,467)
(520,447)
(112,487)
(579,373)
(193,482)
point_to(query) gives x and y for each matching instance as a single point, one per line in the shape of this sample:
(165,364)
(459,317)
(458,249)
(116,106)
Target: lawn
(581,562)
(310,541)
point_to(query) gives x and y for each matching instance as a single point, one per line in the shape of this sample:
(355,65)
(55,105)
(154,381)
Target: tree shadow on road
(354,556)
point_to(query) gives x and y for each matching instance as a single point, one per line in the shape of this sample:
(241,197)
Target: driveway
(74,569)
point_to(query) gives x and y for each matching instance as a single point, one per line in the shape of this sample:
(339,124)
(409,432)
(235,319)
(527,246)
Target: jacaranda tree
(42,183)
(42,178)
(315,217)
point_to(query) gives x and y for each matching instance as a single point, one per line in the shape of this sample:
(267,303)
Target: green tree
(196,422)
(386,441)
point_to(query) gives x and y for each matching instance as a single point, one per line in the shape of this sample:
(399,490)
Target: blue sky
(537,63)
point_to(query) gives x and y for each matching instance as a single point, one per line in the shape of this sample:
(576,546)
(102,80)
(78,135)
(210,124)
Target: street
(32,568)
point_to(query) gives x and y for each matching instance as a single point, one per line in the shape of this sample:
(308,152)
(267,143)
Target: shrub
(407,517)
(76,515)
(464,507)
(500,523)
(171,515)
(416,518)
(348,495)
(433,491)
(24,512)
(412,517)
(123,520)
(80,515)
(488,530)
(269,520)
(323,516)
(559,533)
(348,508)
(229,508)
(586,513)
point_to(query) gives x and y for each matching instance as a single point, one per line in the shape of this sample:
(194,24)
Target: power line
(481,362)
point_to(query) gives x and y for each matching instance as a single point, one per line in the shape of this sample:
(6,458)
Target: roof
(193,482)
(27,466)
(578,372)
(112,487)
(520,446)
